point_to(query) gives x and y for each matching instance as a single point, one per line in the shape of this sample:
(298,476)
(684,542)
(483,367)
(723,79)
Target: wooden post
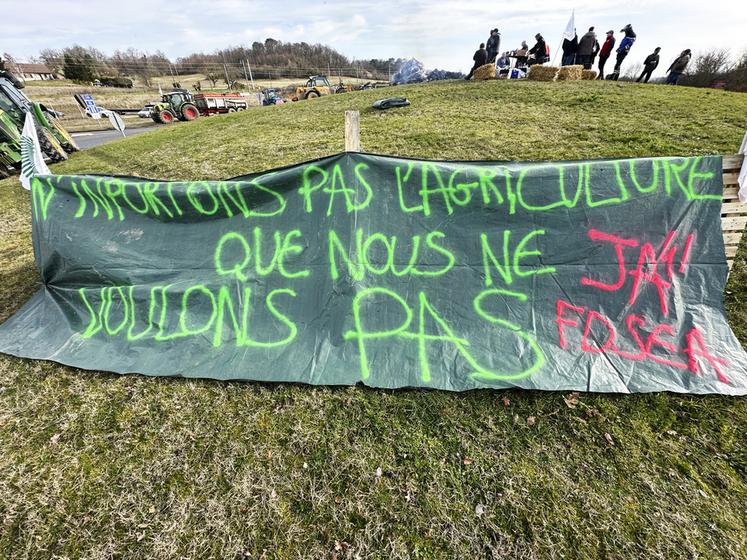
(352,131)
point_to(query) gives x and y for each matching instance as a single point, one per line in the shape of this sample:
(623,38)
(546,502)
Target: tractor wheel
(4,171)
(189,112)
(312,94)
(49,145)
(241,108)
(166,117)
(231,109)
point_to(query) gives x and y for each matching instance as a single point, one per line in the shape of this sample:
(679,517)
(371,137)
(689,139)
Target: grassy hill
(94,465)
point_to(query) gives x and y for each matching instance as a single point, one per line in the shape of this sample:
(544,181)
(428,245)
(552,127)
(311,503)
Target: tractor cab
(11,109)
(316,86)
(271,96)
(317,81)
(177,97)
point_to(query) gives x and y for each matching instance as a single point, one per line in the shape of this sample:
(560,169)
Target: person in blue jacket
(623,49)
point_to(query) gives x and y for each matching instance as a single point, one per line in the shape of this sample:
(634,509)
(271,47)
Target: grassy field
(58,94)
(99,466)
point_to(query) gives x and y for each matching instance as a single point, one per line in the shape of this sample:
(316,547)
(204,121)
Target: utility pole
(246,75)
(251,78)
(225,71)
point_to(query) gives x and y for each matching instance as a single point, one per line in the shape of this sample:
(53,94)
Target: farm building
(34,71)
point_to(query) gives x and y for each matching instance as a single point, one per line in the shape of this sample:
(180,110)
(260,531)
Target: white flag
(570,29)
(32,159)
(742,180)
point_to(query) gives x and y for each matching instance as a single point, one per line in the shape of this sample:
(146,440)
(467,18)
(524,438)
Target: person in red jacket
(605,52)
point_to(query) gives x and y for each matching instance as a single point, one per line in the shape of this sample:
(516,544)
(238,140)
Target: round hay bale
(571,73)
(589,75)
(485,72)
(542,73)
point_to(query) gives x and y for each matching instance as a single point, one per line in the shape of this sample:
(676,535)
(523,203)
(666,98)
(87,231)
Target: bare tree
(707,67)
(52,58)
(737,78)
(212,76)
(632,71)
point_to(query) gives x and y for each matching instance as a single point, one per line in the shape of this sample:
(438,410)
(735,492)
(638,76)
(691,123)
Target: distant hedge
(116,82)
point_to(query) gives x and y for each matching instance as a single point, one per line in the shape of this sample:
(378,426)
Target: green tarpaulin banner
(592,275)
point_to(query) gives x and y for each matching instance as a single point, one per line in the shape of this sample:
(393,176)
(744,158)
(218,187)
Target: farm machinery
(218,103)
(315,86)
(54,141)
(177,104)
(181,104)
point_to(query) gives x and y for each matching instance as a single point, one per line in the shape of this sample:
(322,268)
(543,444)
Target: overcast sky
(440,33)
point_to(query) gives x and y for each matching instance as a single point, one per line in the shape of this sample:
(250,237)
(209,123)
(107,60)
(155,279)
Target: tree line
(268,59)
(717,68)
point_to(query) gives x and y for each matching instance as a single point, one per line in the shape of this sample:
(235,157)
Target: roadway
(98,137)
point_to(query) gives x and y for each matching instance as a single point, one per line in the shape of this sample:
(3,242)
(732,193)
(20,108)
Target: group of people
(675,70)
(582,51)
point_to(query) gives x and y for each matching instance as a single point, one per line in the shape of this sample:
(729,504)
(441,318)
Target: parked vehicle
(177,104)
(217,103)
(54,141)
(146,111)
(316,86)
(271,96)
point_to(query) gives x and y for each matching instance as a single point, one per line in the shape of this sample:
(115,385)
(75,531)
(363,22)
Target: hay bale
(485,72)
(589,75)
(571,73)
(542,73)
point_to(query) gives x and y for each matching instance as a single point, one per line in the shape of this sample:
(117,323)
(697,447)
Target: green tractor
(10,144)
(177,104)
(54,141)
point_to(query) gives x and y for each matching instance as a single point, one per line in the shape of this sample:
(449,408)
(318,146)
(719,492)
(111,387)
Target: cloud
(442,33)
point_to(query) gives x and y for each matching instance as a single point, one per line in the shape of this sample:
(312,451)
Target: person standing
(570,48)
(594,54)
(521,55)
(481,59)
(605,52)
(538,51)
(678,67)
(623,49)
(494,44)
(649,65)
(586,48)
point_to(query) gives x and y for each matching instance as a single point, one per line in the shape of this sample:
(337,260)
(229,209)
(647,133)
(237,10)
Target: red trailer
(216,103)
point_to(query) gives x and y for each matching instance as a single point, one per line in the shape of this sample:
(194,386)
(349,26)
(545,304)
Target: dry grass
(100,466)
